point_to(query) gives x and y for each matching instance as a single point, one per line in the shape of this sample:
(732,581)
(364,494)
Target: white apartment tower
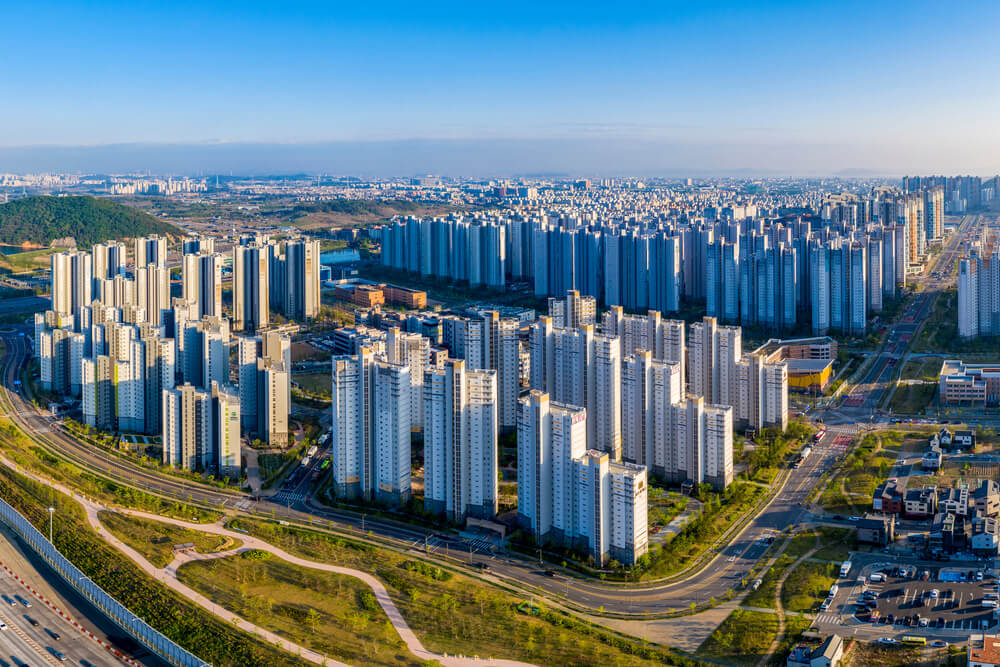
(391,433)
(460,441)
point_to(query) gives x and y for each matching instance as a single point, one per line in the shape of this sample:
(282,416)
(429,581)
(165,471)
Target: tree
(312,619)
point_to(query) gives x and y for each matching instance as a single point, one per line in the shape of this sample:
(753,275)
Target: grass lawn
(764,596)
(686,546)
(807,586)
(911,399)
(155,540)
(21,262)
(801,544)
(332,614)
(927,369)
(457,614)
(795,625)
(306,352)
(664,506)
(32,457)
(314,383)
(837,544)
(742,639)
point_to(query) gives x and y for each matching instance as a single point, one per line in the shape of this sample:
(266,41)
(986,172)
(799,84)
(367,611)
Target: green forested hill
(41,220)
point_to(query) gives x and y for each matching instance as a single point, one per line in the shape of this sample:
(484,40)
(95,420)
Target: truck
(845,567)
(803,455)
(312,451)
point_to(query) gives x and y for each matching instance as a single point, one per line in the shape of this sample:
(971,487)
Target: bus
(819,435)
(913,640)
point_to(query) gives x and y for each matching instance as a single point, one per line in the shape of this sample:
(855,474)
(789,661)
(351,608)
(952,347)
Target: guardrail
(144,633)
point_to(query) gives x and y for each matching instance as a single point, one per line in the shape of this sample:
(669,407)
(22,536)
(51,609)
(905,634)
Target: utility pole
(51,512)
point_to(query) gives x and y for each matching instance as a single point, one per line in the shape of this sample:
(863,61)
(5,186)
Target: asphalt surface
(25,643)
(726,571)
(862,402)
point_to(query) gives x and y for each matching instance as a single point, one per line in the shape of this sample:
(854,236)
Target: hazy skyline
(401,88)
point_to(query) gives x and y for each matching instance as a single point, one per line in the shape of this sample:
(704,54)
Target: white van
(833,590)
(876,577)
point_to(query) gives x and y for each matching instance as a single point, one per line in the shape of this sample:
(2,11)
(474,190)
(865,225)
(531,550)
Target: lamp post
(51,512)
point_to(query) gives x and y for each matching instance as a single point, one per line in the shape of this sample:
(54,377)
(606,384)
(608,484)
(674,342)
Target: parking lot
(917,598)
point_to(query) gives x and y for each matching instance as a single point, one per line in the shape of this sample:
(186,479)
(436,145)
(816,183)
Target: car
(9,600)
(838,517)
(22,601)
(940,621)
(891,618)
(52,633)
(31,620)
(935,593)
(854,518)
(939,643)
(56,654)
(884,620)
(979,576)
(550,573)
(924,622)
(3,626)
(886,640)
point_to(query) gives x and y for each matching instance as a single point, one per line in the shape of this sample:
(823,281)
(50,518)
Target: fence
(153,640)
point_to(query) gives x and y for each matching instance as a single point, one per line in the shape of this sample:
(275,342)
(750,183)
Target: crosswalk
(827,619)
(287,497)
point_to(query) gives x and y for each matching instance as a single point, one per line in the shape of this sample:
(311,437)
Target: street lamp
(51,512)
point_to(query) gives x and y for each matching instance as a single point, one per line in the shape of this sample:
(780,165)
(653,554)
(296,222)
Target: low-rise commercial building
(877,529)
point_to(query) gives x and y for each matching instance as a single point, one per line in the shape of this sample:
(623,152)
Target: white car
(3,626)
(886,640)
(854,518)
(935,593)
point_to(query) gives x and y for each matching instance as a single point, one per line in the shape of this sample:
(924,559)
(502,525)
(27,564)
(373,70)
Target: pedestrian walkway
(287,497)
(168,576)
(780,609)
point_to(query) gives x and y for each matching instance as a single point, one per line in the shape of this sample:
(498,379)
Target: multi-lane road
(866,397)
(726,570)
(57,623)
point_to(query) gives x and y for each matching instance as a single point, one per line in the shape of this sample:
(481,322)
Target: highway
(70,625)
(722,574)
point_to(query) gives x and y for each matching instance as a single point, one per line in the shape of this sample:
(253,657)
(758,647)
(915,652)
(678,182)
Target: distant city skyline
(784,88)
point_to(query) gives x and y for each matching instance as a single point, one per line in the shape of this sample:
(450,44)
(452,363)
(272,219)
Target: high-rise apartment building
(391,433)
(251,293)
(302,295)
(151,250)
(573,310)
(202,283)
(72,282)
(460,441)
(371,428)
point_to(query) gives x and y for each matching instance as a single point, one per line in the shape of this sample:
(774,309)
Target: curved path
(168,576)
(720,573)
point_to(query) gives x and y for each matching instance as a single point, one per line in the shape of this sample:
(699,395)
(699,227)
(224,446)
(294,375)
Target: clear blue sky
(907,76)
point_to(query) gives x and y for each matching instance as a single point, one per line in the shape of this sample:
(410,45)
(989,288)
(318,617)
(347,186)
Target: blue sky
(904,81)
